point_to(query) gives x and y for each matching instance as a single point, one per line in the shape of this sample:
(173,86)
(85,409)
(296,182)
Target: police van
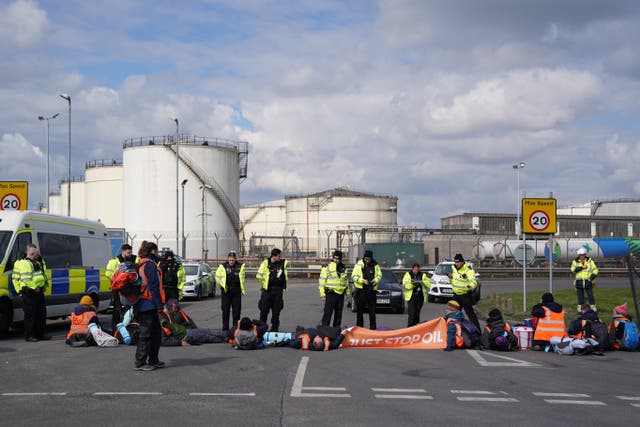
(76,252)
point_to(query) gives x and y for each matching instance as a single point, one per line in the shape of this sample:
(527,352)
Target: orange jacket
(80,323)
(549,326)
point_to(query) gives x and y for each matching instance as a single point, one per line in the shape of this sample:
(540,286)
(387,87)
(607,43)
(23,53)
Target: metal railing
(102,163)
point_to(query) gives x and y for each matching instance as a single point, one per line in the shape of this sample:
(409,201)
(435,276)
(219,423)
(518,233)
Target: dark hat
(495,313)
(169,254)
(368,254)
(547,297)
(337,254)
(245,323)
(458,258)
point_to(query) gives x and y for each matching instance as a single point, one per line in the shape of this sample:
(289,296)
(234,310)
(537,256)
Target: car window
(191,270)
(206,268)
(443,269)
(388,276)
(5,237)
(18,250)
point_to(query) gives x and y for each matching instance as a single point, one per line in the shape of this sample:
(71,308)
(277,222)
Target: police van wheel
(6,316)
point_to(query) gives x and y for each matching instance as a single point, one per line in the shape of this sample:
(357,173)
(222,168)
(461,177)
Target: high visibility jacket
(358,279)
(80,323)
(221,276)
(549,326)
(263,274)
(614,329)
(459,340)
(146,293)
(588,269)
(182,279)
(331,279)
(410,284)
(463,280)
(25,274)
(167,319)
(112,265)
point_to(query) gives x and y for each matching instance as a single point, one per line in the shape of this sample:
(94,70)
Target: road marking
(475,354)
(472,392)
(628,397)
(297,387)
(401,393)
(127,393)
(487,399)
(400,390)
(403,396)
(222,394)
(560,394)
(636,405)
(35,394)
(575,402)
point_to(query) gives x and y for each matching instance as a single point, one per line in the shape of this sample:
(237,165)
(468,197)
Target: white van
(76,252)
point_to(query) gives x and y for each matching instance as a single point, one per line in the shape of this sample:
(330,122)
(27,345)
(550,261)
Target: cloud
(23,23)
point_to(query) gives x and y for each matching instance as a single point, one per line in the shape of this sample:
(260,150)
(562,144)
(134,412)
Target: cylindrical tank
(211,194)
(483,250)
(317,217)
(565,249)
(103,192)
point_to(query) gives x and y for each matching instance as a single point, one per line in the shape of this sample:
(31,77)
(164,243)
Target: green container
(396,254)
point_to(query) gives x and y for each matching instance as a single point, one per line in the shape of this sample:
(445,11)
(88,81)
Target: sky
(431,101)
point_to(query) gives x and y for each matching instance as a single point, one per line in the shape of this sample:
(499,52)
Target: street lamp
(517,167)
(68,99)
(175,119)
(203,187)
(184,240)
(41,118)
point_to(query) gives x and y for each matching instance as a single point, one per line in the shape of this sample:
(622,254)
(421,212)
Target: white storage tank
(316,217)
(103,192)
(212,169)
(261,223)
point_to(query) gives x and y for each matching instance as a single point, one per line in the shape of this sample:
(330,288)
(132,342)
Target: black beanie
(547,297)
(337,254)
(495,313)
(458,258)
(368,254)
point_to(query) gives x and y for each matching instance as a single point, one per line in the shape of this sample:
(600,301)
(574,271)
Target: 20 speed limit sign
(539,216)
(13,195)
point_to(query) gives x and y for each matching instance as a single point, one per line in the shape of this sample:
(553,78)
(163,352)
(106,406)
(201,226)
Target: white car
(441,286)
(207,285)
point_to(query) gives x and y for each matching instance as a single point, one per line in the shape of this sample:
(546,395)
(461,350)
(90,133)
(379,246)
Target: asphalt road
(48,383)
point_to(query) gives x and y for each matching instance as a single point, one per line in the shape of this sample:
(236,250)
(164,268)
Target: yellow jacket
(25,274)
(330,278)
(409,285)
(463,280)
(358,279)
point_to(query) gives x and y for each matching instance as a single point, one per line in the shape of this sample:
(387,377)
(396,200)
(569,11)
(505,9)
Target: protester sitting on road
(180,330)
(317,339)
(498,334)
(550,321)
(618,324)
(453,315)
(85,313)
(248,334)
(577,325)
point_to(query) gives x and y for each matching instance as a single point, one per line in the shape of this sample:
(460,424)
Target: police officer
(416,285)
(30,281)
(230,276)
(586,272)
(366,276)
(272,276)
(333,285)
(125,255)
(170,275)
(463,282)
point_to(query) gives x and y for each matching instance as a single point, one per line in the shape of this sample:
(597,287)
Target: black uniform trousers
(585,287)
(271,300)
(150,337)
(116,314)
(333,304)
(414,307)
(231,302)
(365,296)
(35,312)
(466,303)
(171,292)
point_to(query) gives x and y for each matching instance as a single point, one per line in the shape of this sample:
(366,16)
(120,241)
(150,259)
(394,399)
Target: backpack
(470,334)
(600,333)
(505,342)
(629,341)
(170,276)
(127,282)
(245,340)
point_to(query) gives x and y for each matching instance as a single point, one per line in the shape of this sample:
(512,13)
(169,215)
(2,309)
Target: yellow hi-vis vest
(331,279)
(25,275)
(263,274)
(221,277)
(462,279)
(358,279)
(409,285)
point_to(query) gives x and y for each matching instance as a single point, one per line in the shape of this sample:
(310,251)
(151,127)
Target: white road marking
(628,397)
(35,394)
(127,393)
(487,399)
(471,392)
(297,387)
(325,388)
(575,402)
(636,405)
(400,390)
(222,394)
(560,394)
(511,361)
(403,396)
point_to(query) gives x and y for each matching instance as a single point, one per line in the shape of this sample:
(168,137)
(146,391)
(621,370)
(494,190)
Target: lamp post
(175,119)
(517,167)
(68,99)
(203,187)
(184,240)
(41,118)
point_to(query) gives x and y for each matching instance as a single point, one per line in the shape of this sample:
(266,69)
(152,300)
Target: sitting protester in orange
(454,317)
(616,328)
(84,314)
(550,321)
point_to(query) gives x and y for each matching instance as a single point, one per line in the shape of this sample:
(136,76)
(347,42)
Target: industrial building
(138,194)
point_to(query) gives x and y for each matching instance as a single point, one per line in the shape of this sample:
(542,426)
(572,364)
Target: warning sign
(14,195)
(539,216)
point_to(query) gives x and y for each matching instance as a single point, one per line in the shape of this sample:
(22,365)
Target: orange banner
(427,335)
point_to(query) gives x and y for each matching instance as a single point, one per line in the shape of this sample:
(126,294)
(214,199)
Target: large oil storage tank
(211,170)
(316,217)
(103,192)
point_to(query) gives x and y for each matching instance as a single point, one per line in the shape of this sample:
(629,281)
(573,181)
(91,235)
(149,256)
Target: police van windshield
(5,238)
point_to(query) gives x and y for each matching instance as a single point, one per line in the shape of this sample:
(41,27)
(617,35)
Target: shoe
(44,337)
(144,367)
(31,339)
(158,364)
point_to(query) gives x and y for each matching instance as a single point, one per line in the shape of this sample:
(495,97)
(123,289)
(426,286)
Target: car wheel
(431,298)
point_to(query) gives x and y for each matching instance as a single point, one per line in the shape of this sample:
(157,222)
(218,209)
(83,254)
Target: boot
(593,307)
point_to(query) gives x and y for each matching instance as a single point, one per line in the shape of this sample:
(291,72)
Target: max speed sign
(539,216)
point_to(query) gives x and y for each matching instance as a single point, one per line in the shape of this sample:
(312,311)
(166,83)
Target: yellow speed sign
(14,195)
(539,216)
